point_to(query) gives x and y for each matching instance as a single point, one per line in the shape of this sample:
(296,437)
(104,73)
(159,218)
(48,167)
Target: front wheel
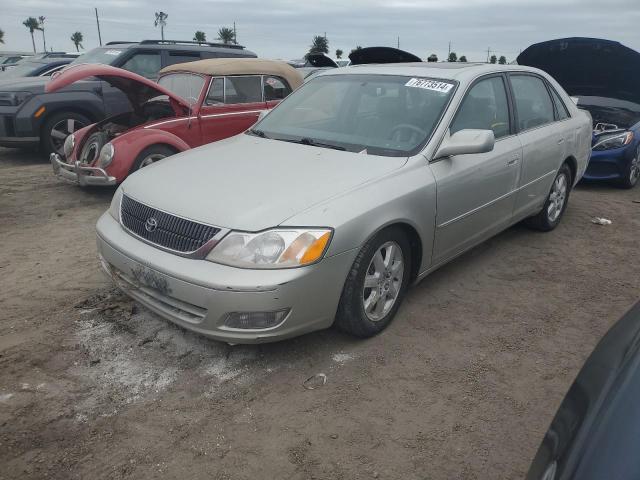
(549,217)
(151,155)
(376,284)
(56,129)
(632,172)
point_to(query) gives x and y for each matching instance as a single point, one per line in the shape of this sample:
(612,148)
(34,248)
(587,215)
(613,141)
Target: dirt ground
(462,385)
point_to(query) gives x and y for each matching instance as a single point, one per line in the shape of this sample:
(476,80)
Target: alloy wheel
(634,168)
(383,281)
(557,197)
(61,130)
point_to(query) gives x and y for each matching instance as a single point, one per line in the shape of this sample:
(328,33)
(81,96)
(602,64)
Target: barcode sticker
(434,85)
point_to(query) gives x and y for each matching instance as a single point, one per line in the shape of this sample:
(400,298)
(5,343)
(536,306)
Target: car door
(232,105)
(543,142)
(476,193)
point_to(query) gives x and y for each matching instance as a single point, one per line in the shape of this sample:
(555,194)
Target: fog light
(255,320)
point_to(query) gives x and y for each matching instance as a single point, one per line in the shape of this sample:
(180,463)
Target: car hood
(595,70)
(138,89)
(369,55)
(249,183)
(23,84)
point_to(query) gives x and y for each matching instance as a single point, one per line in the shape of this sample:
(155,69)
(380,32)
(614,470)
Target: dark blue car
(604,78)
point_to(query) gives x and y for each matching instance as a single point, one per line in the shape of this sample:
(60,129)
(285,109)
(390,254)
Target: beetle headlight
(278,248)
(610,142)
(69,144)
(106,155)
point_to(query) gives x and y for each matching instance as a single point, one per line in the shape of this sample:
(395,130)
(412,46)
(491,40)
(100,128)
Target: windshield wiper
(257,133)
(313,143)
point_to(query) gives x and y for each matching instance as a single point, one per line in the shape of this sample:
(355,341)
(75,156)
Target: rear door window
(275,88)
(561,108)
(533,103)
(180,57)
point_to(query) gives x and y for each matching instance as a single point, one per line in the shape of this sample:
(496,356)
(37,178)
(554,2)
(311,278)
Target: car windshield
(374,114)
(184,85)
(103,55)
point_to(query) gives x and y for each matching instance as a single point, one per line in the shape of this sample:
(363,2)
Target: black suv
(29,117)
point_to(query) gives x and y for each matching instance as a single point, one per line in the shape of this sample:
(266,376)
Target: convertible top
(239,66)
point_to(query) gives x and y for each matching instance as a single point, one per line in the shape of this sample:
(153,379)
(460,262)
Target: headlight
(106,155)
(14,98)
(278,248)
(114,208)
(610,142)
(69,144)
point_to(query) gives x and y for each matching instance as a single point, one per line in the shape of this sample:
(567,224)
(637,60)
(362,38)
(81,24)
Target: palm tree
(339,53)
(77,39)
(41,28)
(432,58)
(355,49)
(32,24)
(319,44)
(1,36)
(493,59)
(226,35)
(453,57)
(462,59)
(502,60)
(200,37)
(161,19)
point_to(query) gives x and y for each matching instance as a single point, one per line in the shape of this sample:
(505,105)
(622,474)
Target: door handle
(561,141)
(514,160)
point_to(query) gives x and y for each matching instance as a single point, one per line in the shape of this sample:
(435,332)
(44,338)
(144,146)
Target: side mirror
(465,142)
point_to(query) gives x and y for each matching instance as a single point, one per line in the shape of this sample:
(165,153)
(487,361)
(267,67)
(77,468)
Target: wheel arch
(573,167)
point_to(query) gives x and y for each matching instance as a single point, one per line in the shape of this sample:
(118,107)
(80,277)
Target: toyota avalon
(360,183)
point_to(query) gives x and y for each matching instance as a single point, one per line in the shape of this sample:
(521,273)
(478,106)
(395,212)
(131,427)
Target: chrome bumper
(80,174)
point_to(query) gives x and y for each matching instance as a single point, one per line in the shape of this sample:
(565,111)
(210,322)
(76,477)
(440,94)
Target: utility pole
(98,23)
(398,42)
(235,37)
(449,54)
(488,54)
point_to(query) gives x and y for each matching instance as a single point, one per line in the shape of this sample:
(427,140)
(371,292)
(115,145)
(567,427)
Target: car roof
(445,70)
(179,45)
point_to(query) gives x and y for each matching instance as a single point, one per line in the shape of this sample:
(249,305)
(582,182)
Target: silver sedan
(360,183)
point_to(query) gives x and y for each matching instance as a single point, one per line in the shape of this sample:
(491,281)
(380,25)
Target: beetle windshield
(375,114)
(185,85)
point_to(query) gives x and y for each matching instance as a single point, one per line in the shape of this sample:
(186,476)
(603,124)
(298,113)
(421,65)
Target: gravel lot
(462,385)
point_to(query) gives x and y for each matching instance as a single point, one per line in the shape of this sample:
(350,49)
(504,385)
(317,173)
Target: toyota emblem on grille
(151,224)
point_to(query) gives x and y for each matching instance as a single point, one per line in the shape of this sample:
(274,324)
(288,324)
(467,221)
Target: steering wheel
(406,126)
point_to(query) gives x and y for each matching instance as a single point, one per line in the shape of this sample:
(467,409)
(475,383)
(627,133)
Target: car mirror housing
(465,142)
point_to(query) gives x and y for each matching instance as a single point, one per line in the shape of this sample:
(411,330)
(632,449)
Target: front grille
(174,233)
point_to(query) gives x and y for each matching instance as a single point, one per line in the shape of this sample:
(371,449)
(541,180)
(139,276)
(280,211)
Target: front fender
(129,145)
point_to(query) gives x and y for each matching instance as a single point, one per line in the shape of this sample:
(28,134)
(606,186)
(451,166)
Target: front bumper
(79,173)
(198,294)
(608,164)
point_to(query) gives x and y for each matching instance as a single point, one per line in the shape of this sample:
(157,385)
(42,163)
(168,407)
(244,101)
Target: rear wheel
(56,129)
(549,217)
(151,155)
(632,172)
(376,284)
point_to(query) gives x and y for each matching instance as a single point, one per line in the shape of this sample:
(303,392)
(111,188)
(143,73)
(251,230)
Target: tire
(57,127)
(150,155)
(92,146)
(632,171)
(359,313)
(549,217)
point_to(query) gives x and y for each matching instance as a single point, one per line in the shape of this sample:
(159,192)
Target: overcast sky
(284,28)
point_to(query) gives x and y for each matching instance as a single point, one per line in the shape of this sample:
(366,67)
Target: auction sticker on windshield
(434,85)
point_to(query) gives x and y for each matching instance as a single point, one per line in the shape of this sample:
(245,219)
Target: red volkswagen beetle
(191,104)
